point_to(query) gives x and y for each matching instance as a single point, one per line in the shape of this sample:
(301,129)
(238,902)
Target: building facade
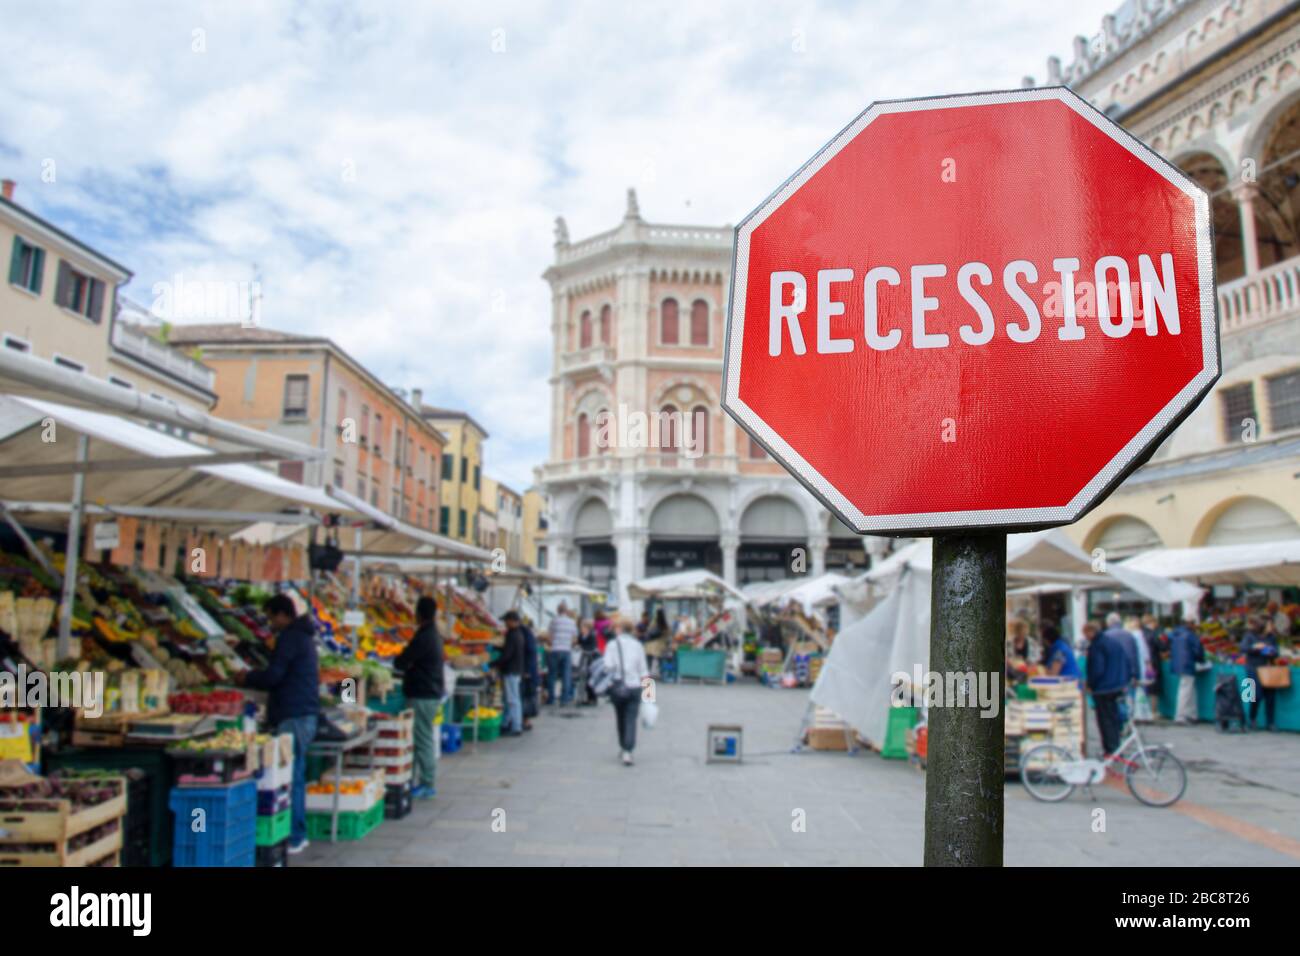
(534,524)
(61,304)
(646,475)
(509,520)
(1214,86)
(378,446)
(461,473)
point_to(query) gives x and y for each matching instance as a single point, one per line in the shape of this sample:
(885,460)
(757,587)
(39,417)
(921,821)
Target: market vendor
(292,681)
(422,684)
(1058,655)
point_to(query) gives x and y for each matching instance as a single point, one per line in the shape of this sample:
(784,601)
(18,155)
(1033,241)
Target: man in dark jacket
(422,684)
(1109,677)
(292,680)
(1185,652)
(511,665)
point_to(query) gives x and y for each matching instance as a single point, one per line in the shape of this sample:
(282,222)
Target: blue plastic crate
(229,837)
(451,738)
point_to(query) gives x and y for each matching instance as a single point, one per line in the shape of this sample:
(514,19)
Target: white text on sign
(1115,305)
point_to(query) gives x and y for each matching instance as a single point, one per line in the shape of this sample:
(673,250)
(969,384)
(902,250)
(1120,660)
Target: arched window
(756,452)
(584,436)
(604,325)
(668,322)
(604,427)
(700,429)
(699,322)
(668,418)
(584,331)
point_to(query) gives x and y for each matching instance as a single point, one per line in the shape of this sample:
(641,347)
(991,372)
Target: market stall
(857,680)
(707,617)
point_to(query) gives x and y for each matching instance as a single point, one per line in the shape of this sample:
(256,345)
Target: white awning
(682,584)
(1272,563)
(138,469)
(29,376)
(1036,557)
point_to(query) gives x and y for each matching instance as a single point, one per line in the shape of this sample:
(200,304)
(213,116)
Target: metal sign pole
(73,551)
(965,771)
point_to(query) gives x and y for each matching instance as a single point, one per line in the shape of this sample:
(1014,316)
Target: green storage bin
(487,729)
(1025,692)
(702,665)
(352,826)
(901,720)
(394,702)
(271,830)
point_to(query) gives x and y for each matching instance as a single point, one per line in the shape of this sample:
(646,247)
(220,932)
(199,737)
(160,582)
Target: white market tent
(683,585)
(894,635)
(1269,563)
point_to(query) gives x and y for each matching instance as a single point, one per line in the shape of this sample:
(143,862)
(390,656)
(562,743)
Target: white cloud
(394,178)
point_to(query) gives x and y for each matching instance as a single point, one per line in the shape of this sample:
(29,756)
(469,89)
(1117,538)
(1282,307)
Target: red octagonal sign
(973,311)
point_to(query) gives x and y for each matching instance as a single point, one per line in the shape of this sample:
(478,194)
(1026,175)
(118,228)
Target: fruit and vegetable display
(226,702)
(34,794)
(481,713)
(348,788)
(229,739)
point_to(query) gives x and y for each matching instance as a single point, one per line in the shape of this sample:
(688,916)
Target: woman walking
(625,659)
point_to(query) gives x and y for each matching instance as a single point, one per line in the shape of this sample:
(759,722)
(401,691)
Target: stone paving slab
(567,801)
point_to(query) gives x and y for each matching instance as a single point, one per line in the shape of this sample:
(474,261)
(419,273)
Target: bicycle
(1154,775)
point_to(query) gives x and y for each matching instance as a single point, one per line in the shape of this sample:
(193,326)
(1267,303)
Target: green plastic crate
(901,720)
(271,830)
(487,729)
(392,703)
(702,665)
(352,826)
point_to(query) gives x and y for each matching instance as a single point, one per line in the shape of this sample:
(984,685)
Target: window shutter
(16,262)
(63,286)
(96,300)
(38,270)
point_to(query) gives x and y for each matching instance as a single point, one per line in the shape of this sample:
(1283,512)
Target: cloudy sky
(394,174)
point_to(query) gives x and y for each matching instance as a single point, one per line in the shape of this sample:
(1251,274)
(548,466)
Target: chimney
(7,188)
(417,399)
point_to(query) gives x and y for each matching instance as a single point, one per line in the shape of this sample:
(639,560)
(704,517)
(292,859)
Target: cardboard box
(828,738)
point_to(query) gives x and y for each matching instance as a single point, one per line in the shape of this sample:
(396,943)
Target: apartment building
(378,446)
(533,527)
(61,304)
(461,473)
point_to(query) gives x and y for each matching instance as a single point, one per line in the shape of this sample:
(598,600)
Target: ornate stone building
(1214,86)
(646,475)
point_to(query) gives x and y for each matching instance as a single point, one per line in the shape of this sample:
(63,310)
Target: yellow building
(533,528)
(509,514)
(462,473)
(61,304)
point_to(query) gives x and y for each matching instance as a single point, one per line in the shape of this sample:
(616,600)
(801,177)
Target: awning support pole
(37,554)
(73,552)
(965,771)
(354,599)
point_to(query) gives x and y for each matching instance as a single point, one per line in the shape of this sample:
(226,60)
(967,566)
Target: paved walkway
(558,796)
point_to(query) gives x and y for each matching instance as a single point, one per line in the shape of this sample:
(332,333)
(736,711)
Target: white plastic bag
(649,713)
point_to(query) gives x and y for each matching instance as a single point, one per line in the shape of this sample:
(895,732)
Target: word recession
(1159,302)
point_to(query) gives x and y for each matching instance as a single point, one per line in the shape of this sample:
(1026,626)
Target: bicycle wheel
(1039,772)
(1156,777)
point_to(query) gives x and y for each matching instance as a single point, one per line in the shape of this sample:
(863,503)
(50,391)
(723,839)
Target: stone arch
(704,519)
(590,399)
(1208,168)
(665,392)
(1243,519)
(1123,535)
(583,510)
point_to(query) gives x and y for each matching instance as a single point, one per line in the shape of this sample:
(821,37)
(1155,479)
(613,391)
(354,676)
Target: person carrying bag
(621,674)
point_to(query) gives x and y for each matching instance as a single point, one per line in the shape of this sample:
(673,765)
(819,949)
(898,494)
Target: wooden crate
(59,827)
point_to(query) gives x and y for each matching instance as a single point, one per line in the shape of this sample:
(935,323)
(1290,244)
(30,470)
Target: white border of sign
(1130,456)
